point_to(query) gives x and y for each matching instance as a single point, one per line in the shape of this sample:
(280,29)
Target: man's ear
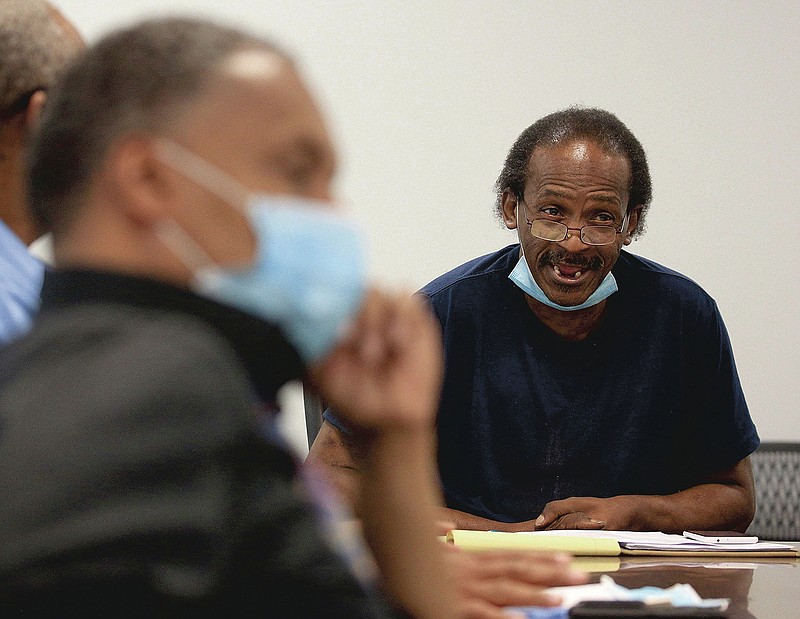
(139,182)
(510,203)
(34,110)
(633,223)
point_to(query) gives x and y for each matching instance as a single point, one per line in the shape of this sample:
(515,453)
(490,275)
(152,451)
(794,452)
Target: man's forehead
(255,84)
(254,100)
(253,64)
(577,156)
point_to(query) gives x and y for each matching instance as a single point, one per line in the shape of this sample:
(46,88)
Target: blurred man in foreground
(36,42)
(186,174)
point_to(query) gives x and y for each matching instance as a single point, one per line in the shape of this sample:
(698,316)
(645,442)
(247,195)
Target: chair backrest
(314,408)
(776,470)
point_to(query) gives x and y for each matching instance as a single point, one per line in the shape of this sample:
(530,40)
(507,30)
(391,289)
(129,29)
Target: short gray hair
(34,49)
(133,80)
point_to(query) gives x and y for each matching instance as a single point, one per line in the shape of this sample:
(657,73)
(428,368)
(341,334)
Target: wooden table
(760,588)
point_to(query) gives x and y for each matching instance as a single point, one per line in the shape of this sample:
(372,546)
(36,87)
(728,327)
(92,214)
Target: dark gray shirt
(135,474)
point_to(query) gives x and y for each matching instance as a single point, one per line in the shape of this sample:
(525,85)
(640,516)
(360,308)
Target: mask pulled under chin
(521,276)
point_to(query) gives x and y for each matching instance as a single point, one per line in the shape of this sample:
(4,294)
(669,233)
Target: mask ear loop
(516,214)
(202,172)
(208,176)
(182,245)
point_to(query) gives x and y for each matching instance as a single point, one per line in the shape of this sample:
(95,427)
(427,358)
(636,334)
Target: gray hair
(34,49)
(600,126)
(133,80)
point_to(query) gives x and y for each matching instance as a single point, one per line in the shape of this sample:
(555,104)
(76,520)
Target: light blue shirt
(21,278)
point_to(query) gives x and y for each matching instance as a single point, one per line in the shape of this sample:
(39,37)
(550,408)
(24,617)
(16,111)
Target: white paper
(655,540)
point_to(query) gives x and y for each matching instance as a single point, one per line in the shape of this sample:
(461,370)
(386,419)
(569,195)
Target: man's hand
(485,582)
(462,520)
(387,372)
(616,513)
(384,380)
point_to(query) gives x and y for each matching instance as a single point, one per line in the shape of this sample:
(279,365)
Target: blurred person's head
(177,148)
(36,44)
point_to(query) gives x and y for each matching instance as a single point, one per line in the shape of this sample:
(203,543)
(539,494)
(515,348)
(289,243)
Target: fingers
(443,527)
(589,523)
(478,609)
(544,569)
(512,578)
(569,514)
(535,567)
(389,323)
(552,512)
(577,520)
(365,338)
(385,375)
(367,335)
(371,342)
(503,592)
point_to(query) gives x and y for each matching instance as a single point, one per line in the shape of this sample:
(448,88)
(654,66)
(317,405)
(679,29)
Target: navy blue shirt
(648,404)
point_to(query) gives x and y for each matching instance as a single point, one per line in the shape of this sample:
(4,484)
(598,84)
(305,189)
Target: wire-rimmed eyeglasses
(556,232)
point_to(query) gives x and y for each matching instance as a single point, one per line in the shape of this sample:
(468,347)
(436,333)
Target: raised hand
(387,372)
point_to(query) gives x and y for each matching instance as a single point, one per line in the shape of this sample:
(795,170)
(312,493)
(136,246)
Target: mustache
(553,257)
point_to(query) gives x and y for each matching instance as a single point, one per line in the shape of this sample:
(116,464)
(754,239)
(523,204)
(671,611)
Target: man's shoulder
(119,329)
(132,355)
(652,278)
(476,272)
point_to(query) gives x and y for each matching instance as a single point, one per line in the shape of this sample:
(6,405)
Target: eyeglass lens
(556,232)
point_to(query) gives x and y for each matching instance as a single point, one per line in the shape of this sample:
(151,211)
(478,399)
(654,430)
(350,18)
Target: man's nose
(573,242)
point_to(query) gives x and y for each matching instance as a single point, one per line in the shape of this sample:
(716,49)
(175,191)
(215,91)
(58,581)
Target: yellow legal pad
(496,540)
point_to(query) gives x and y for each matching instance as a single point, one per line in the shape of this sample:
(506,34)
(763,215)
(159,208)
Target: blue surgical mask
(309,273)
(522,277)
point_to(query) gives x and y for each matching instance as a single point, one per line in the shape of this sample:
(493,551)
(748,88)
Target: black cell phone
(639,609)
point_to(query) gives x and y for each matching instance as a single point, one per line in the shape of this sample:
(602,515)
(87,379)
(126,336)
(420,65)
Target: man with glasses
(585,387)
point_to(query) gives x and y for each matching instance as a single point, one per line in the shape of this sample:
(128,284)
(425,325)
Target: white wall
(426,97)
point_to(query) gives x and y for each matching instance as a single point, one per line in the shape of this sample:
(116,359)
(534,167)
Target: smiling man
(585,387)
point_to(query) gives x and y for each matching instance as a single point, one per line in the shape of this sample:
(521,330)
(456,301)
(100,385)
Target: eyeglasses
(556,232)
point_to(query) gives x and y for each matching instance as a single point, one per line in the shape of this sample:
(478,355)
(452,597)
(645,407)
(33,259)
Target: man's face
(575,183)
(257,122)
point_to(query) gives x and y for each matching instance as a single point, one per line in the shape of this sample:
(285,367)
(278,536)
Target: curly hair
(600,126)
(34,50)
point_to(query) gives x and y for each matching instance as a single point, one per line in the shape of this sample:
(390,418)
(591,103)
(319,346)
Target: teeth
(556,269)
(577,274)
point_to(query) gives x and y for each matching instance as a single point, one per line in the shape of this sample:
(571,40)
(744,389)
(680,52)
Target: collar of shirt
(266,355)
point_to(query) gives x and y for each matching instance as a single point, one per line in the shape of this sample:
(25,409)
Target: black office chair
(314,409)
(776,469)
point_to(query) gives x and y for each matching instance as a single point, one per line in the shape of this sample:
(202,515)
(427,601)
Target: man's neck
(574,326)
(13,210)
